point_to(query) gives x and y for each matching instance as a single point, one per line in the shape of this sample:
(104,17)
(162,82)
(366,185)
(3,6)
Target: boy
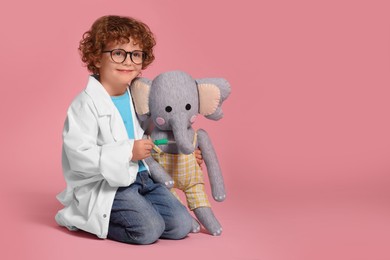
(109,191)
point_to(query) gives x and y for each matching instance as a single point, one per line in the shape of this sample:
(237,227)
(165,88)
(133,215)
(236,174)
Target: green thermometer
(163,141)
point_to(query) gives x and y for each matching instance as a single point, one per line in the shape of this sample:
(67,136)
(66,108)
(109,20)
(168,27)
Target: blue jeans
(145,211)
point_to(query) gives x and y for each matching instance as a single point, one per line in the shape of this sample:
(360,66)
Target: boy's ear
(140,90)
(98,64)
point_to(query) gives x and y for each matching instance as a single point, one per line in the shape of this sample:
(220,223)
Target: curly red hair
(114,28)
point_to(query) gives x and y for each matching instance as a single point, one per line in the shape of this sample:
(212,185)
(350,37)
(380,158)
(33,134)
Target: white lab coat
(95,160)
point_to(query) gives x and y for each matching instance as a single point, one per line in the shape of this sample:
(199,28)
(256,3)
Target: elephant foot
(195,226)
(206,216)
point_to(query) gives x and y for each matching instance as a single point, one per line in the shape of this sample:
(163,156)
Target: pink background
(304,145)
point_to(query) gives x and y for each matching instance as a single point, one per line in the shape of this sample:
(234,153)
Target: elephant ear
(140,90)
(212,93)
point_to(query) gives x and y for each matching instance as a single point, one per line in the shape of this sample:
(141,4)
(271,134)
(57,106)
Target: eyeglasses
(120,55)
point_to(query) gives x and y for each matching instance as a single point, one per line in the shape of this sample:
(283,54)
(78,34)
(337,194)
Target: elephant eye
(168,109)
(188,106)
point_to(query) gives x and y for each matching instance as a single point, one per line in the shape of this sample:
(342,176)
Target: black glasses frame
(130,53)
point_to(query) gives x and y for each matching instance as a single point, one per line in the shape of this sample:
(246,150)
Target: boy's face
(115,77)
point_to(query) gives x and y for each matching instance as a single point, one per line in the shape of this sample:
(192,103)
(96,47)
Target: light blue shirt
(122,103)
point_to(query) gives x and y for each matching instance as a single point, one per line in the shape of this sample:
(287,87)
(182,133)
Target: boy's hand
(198,156)
(142,149)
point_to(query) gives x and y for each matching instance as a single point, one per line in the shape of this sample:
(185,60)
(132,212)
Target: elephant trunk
(182,134)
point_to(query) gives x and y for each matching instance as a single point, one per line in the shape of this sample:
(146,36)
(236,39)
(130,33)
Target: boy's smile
(115,77)
(125,71)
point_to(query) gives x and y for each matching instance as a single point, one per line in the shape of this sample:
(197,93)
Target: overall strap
(155,147)
(195,138)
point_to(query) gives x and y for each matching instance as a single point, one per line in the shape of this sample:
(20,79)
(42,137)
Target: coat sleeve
(87,159)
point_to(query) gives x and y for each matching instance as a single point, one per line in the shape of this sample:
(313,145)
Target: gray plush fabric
(172,102)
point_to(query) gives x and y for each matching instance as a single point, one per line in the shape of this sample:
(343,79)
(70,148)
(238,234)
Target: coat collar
(100,96)
(104,106)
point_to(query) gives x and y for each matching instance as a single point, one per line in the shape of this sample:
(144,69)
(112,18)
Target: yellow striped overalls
(187,174)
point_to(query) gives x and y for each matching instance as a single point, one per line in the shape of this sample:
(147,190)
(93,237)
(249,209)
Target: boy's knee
(150,231)
(181,226)
(146,231)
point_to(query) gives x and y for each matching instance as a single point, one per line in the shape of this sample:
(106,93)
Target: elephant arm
(158,173)
(212,164)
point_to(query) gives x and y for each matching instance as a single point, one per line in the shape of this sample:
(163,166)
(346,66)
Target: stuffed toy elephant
(172,101)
